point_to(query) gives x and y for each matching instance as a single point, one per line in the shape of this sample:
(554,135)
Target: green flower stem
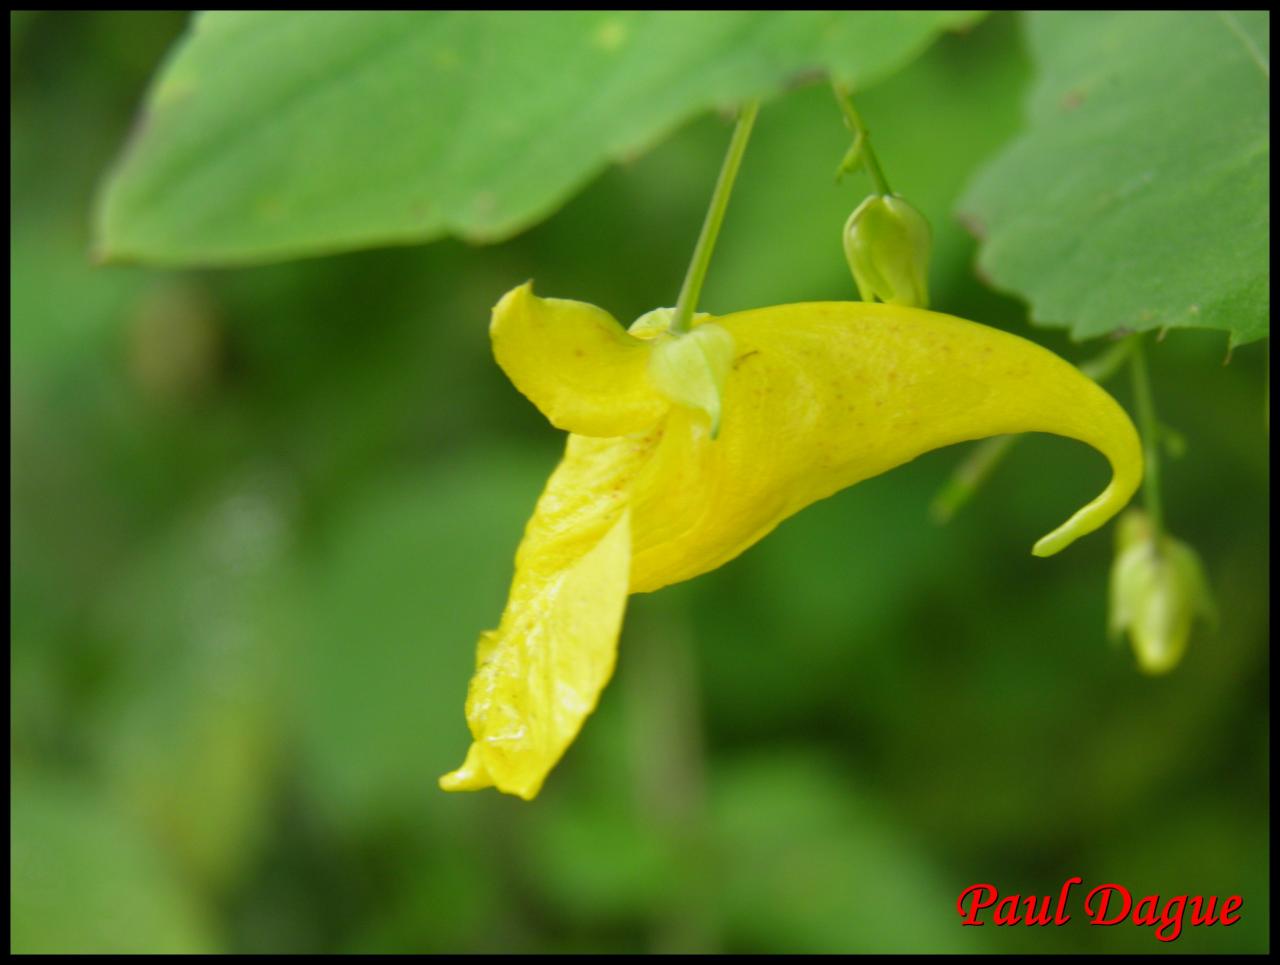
(697,272)
(989,453)
(862,151)
(969,477)
(1149,427)
(1101,367)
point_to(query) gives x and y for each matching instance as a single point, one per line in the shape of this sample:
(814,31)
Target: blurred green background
(259,517)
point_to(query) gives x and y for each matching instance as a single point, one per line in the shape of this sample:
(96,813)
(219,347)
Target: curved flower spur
(685,449)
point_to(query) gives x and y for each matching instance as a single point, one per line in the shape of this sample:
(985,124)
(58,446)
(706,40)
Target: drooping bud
(887,244)
(1158,588)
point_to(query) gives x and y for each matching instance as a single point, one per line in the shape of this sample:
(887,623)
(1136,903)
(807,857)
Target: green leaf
(1139,197)
(270,135)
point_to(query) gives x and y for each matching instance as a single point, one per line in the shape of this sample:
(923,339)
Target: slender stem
(697,272)
(1101,367)
(1150,429)
(969,476)
(866,153)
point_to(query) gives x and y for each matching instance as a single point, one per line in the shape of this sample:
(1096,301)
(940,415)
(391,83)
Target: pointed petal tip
(453,781)
(509,302)
(471,776)
(1053,543)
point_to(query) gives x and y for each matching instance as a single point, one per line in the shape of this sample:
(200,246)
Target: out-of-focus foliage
(271,134)
(260,516)
(77,867)
(1139,197)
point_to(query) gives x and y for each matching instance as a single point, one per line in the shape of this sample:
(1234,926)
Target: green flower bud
(1158,588)
(887,242)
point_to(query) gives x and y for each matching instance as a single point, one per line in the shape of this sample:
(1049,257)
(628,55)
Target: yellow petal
(825,394)
(575,363)
(538,675)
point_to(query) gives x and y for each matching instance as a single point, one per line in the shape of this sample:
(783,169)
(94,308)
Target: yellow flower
(810,398)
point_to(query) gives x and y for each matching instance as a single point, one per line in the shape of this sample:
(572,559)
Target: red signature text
(1106,904)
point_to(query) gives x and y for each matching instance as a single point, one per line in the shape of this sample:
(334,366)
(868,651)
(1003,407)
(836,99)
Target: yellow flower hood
(812,398)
